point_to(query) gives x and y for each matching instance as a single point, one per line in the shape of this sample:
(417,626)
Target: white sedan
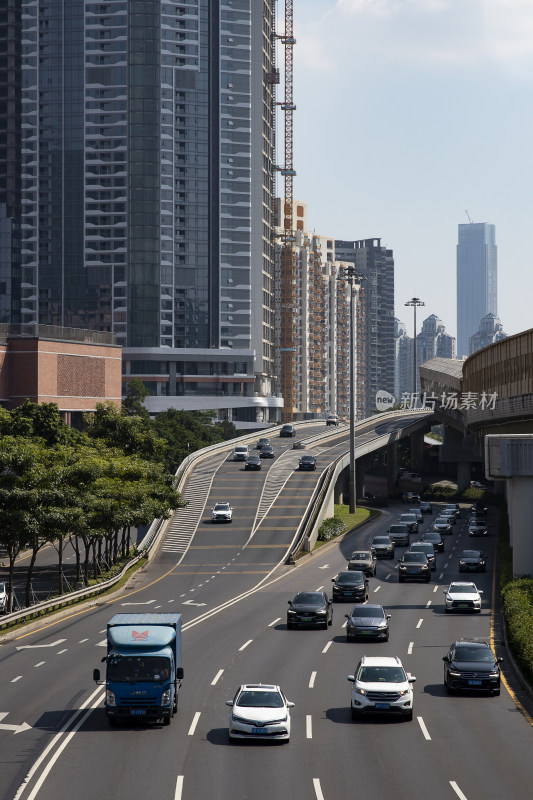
(222,512)
(260,711)
(462,596)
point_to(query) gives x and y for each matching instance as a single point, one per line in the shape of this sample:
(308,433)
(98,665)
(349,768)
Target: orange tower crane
(287,348)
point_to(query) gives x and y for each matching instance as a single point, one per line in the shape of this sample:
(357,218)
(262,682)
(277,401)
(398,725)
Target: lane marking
(271,624)
(179,788)
(318,790)
(217,676)
(312,680)
(326,566)
(319,589)
(308,727)
(441,576)
(428,603)
(419,623)
(81,641)
(377,589)
(457,791)
(35,646)
(194,723)
(387,576)
(16,679)
(61,651)
(410,648)
(39,664)
(423,728)
(245,644)
(326,648)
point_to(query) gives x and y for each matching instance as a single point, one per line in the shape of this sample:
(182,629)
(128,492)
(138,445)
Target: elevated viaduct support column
(392,468)
(510,458)
(417,451)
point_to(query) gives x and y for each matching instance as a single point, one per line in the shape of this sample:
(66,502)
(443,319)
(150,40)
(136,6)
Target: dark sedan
(434,538)
(267,451)
(364,560)
(310,608)
(472,561)
(368,622)
(477,527)
(307,462)
(350,585)
(471,665)
(264,440)
(252,462)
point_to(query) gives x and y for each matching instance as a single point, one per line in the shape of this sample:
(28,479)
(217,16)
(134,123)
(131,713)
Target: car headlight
(494,673)
(277,721)
(462,563)
(291,612)
(402,568)
(382,624)
(321,611)
(110,698)
(360,691)
(240,719)
(403,692)
(165,697)
(454,673)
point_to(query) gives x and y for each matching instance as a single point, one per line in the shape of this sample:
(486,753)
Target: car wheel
(166,721)
(495,692)
(112,722)
(428,578)
(355,714)
(409,716)
(400,580)
(387,638)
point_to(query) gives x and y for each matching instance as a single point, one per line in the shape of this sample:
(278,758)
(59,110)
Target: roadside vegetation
(342,522)
(90,488)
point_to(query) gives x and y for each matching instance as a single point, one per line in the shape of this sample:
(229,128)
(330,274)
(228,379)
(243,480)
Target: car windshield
(398,529)
(307,458)
(222,507)
(381,675)
(313,598)
(360,556)
(381,540)
(441,521)
(350,577)
(471,554)
(259,699)
(466,652)
(130,669)
(462,588)
(417,558)
(367,611)
(422,547)
(408,518)
(432,537)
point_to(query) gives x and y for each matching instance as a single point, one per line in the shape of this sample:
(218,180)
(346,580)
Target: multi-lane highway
(232,588)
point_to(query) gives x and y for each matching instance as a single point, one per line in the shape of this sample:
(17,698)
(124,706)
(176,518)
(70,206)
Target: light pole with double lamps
(415,302)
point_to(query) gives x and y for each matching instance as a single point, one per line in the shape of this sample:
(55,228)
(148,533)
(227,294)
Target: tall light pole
(415,302)
(351,276)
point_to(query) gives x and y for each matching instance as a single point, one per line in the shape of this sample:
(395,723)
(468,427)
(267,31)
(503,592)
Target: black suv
(307,462)
(471,665)
(287,430)
(310,608)
(350,585)
(413,566)
(364,560)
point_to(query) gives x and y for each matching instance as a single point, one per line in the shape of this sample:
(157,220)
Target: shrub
(518,609)
(330,528)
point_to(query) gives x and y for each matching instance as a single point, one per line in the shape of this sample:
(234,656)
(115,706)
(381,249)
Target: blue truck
(143,667)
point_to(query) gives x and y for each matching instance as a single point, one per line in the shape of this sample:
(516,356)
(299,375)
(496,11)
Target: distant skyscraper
(476,279)
(376,264)
(490,331)
(144,138)
(403,360)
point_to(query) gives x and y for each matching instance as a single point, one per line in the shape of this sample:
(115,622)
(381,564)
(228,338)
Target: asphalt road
(233,597)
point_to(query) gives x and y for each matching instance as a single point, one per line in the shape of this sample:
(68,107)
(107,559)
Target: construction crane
(287,346)
(468,215)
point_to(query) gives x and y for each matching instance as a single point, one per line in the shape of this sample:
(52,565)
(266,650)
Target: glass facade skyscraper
(477,287)
(147,190)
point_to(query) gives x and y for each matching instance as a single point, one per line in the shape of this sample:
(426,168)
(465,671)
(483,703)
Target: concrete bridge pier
(463,475)
(392,468)
(416,441)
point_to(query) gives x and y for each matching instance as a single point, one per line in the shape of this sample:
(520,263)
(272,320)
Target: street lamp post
(415,302)
(352,277)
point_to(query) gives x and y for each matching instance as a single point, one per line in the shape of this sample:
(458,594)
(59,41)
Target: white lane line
(387,576)
(318,790)
(441,577)
(14,680)
(308,727)
(319,589)
(271,624)
(217,676)
(39,664)
(326,648)
(35,646)
(457,791)
(436,587)
(312,680)
(81,641)
(61,651)
(424,730)
(245,644)
(171,601)
(194,723)
(179,788)
(410,648)
(326,566)
(377,589)
(345,624)
(419,623)
(428,603)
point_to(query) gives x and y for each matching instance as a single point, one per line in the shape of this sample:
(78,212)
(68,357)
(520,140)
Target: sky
(412,116)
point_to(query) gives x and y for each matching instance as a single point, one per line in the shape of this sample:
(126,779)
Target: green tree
(133,403)
(131,434)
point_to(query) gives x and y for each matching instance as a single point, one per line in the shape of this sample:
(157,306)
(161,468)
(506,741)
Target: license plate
(306,619)
(259,730)
(348,594)
(366,633)
(138,712)
(474,683)
(463,605)
(413,572)
(382,706)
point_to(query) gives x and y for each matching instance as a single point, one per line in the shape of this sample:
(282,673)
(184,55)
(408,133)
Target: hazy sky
(409,113)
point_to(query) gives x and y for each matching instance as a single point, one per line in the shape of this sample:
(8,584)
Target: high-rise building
(376,264)
(476,279)
(490,331)
(146,134)
(403,360)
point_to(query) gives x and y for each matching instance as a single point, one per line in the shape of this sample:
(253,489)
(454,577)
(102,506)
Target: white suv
(241,452)
(222,512)
(3,598)
(381,686)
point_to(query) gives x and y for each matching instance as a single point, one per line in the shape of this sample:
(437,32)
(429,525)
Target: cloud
(449,33)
